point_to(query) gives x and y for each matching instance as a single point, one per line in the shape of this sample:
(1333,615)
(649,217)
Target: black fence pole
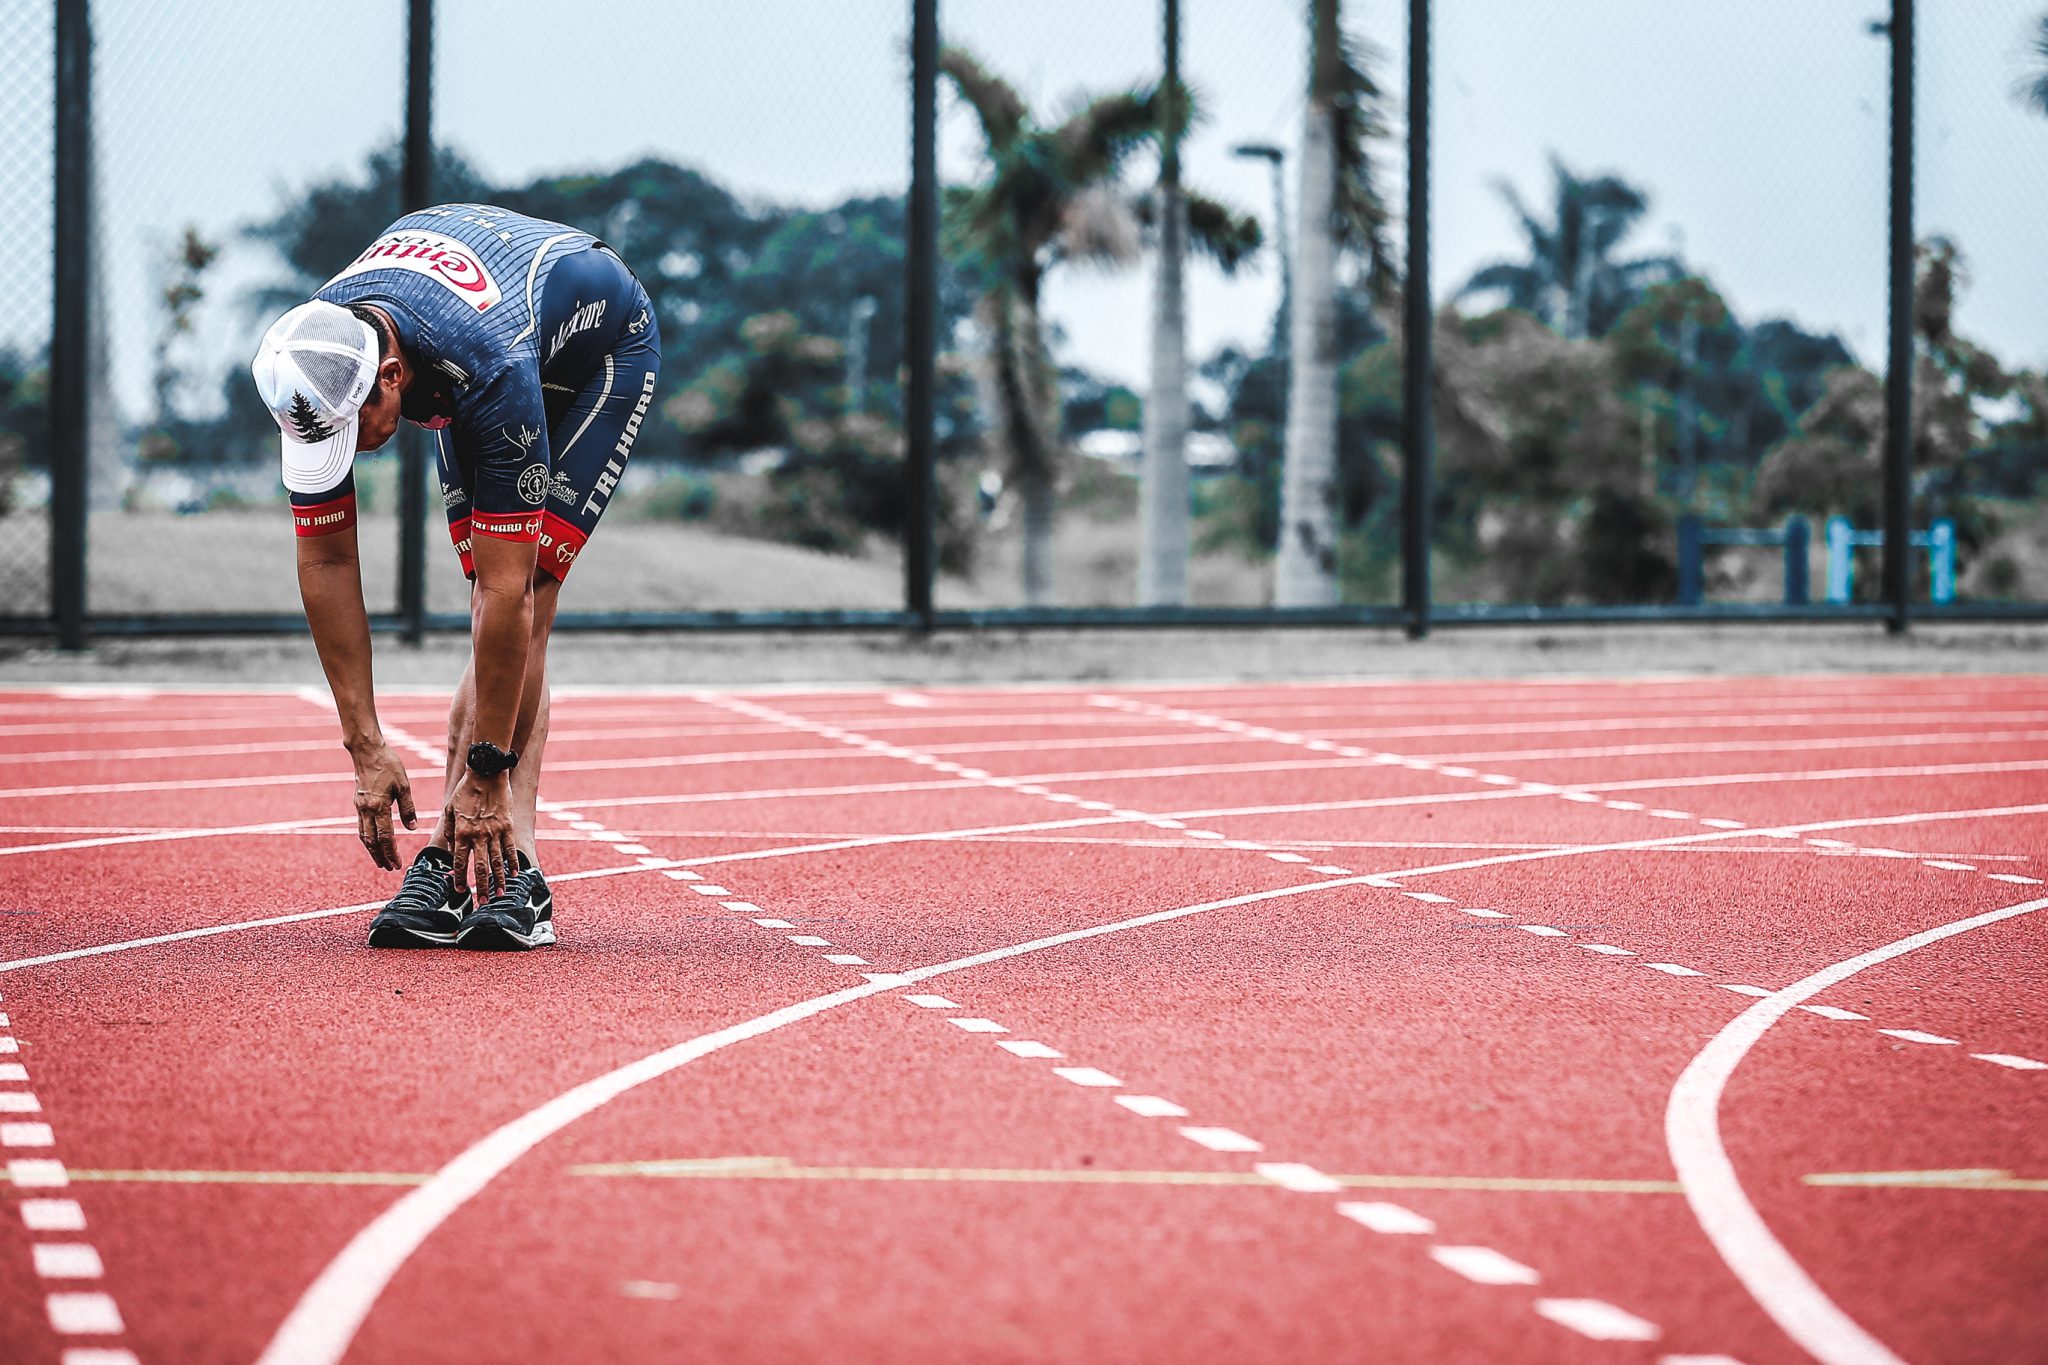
(1418,380)
(920,315)
(1898,375)
(417,191)
(70,322)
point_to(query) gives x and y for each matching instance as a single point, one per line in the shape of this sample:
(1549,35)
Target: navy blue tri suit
(535,352)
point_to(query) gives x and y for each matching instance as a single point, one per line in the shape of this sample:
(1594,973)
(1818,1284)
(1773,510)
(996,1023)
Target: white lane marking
(1298,1176)
(1692,1132)
(977,1025)
(810,941)
(1672,969)
(1389,1218)
(1543,931)
(632,848)
(932,1002)
(846,959)
(1332,869)
(1836,1013)
(1757,991)
(1287,857)
(7,1044)
(75,1315)
(741,907)
(1598,1320)
(1698,1360)
(1947,866)
(1715,822)
(2007,1059)
(1483,1265)
(175,835)
(2015,880)
(27,1135)
(52,1215)
(67,1261)
(19,1102)
(37,1173)
(1222,1139)
(1607,949)
(1151,1107)
(1028,1048)
(1086,1075)
(1485,914)
(769,922)
(1427,897)
(98,1355)
(1913,1035)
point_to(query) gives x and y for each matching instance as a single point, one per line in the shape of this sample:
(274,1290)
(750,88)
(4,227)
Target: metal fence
(1618,293)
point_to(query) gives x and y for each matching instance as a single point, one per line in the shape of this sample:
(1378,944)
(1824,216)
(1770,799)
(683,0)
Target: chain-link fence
(1658,264)
(27,235)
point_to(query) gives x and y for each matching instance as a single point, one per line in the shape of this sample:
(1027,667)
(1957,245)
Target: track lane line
(1692,1133)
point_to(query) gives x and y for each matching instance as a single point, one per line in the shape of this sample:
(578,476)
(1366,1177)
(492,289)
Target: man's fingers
(405,811)
(387,850)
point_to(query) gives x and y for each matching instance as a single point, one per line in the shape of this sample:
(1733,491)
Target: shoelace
(425,888)
(514,897)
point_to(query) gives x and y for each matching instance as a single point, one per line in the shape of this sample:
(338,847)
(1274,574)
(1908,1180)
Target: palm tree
(1052,194)
(1339,210)
(1571,279)
(2032,89)
(1227,237)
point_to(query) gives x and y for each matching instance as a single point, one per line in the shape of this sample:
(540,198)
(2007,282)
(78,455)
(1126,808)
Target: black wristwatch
(488,760)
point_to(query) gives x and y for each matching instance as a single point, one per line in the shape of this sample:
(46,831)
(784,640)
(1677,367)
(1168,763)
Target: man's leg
(530,736)
(459,711)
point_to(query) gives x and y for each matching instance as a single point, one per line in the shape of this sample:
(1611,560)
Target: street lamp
(1276,158)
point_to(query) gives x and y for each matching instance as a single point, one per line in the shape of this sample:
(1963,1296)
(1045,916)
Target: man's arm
(331,586)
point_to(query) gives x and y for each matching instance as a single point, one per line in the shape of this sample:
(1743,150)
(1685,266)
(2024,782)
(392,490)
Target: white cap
(315,367)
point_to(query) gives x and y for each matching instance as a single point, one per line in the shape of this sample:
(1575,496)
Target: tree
(1052,194)
(1183,217)
(1339,211)
(1571,279)
(2032,88)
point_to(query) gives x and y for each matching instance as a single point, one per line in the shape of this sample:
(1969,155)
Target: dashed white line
(932,1002)
(52,1215)
(1598,1320)
(977,1025)
(1027,1048)
(1543,931)
(1835,1012)
(1672,969)
(2007,1059)
(1607,949)
(1298,1176)
(1913,1035)
(67,1261)
(1086,1075)
(1483,1265)
(1388,1218)
(1222,1139)
(1152,1107)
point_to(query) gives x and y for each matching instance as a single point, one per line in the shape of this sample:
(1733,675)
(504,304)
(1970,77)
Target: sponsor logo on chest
(438,257)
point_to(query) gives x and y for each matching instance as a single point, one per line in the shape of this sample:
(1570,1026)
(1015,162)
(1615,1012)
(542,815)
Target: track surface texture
(1683,1021)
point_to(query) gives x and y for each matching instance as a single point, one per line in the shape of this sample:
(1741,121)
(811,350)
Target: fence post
(1841,560)
(417,192)
(1941,561)
(1691,571)
(920,315)
(1898,375)
(1798,572)
(1418,384)
(71,321)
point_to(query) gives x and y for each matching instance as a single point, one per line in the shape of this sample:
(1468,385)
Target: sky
(1757,128)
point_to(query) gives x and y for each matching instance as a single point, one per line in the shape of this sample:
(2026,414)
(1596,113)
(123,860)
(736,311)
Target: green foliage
(24,420)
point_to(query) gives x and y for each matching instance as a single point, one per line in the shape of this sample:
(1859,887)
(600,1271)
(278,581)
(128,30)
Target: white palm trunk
(1163,494)
(1306,572)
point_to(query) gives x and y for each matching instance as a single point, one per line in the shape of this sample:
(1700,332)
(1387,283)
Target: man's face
(378,418)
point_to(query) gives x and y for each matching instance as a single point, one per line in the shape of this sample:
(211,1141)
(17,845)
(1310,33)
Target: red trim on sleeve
(559,544)
(458,531)
(325,518)
(505,525)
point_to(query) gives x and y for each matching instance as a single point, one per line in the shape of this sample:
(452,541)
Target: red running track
(1679,1021)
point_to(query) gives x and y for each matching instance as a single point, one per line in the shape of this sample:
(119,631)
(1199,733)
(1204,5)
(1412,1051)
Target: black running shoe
(522,916)
(428,909)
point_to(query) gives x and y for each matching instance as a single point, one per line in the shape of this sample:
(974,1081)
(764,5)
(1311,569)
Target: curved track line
(321,1325)
(160,836)
(1692,1132)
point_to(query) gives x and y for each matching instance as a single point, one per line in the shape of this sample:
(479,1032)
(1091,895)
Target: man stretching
(531,352)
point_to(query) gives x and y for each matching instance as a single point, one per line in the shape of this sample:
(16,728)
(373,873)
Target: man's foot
(522,916)
(428,909)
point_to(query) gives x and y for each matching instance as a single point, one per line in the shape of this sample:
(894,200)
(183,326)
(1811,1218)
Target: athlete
(531,352)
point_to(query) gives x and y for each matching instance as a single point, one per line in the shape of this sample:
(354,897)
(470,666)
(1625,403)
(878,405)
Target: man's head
(332,378)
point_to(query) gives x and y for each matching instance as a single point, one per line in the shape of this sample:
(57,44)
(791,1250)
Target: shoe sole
(496,938)
(387,935)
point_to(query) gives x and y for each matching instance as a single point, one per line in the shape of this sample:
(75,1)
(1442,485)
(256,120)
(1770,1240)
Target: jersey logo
(440,258)
(533,483)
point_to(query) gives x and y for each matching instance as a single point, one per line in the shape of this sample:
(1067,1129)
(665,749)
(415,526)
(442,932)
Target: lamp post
(1277,159)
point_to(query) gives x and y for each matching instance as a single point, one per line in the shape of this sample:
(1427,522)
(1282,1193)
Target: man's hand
(381,780)
(480,813)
